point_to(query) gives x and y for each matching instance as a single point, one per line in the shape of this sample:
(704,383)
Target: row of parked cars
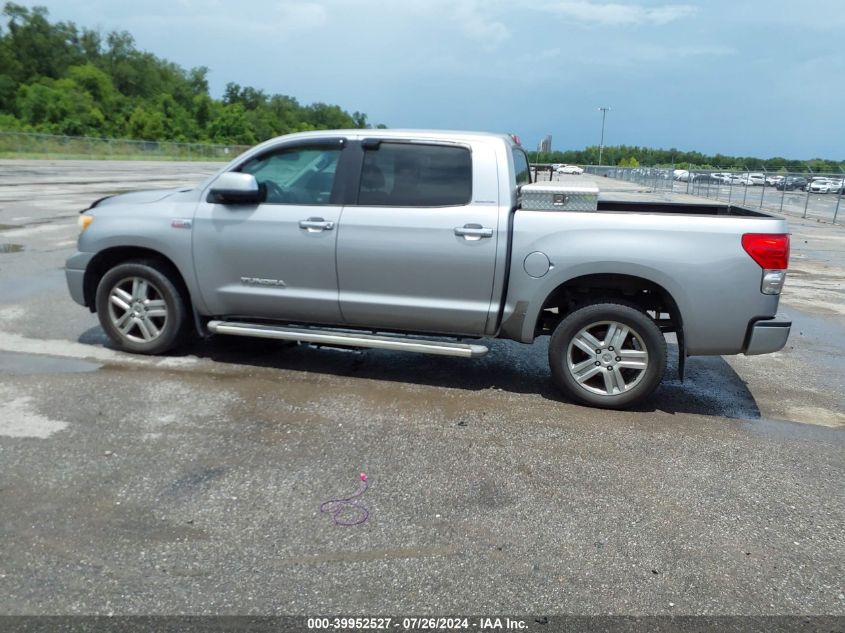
(815,184)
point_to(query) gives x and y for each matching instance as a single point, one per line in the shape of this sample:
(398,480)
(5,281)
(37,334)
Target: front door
(276,259)
(417,252)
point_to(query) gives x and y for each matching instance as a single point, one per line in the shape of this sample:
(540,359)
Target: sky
(745,78)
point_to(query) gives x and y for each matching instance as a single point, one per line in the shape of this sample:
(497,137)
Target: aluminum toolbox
(549,196)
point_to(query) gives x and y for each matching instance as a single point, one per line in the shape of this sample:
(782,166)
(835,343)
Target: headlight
(84,222)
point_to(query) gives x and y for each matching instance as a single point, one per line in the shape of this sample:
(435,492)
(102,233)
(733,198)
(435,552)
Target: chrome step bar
(348,339)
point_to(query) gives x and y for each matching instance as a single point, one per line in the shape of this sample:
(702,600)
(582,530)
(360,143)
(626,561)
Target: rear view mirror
(236,188)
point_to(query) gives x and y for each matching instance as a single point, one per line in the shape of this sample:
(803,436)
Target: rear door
(275,259)
(417,247)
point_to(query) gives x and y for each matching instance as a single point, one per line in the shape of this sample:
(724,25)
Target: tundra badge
(258,281)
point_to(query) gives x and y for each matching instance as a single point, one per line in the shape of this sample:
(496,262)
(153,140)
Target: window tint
(411,175)
(521,169)
(297,175)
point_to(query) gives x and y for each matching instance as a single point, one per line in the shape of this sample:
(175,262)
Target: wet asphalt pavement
(192,483)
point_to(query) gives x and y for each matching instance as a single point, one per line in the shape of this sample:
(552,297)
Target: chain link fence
(806,194)
(28,145)
(655,178)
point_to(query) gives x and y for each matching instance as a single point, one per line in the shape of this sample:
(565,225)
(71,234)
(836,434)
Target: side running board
(348,339)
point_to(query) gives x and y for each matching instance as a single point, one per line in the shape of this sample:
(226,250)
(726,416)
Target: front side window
(414,175)
(302,175)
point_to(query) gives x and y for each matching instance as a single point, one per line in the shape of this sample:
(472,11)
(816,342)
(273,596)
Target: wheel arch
(108,258)
(645,293)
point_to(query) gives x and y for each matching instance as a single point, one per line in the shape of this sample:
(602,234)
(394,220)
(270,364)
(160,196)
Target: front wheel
(140,308)
(609,355)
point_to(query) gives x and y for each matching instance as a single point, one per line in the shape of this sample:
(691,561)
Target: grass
(43,147)
(89,156)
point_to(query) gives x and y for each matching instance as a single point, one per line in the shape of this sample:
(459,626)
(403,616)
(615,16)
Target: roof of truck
(443,135)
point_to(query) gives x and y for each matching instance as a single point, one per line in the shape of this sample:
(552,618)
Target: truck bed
(683,208)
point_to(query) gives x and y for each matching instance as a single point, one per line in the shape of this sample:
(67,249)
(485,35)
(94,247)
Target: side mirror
(235,188)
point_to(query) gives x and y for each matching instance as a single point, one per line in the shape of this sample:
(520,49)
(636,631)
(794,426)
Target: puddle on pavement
(11,248)
(30,364)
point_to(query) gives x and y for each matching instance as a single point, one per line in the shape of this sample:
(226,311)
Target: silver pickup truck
(431,242)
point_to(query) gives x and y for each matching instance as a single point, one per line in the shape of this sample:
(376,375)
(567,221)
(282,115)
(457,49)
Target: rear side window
(413,175)
(521,169)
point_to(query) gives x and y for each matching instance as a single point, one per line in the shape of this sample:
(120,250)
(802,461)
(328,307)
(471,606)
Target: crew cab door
(417,246)
(275,259)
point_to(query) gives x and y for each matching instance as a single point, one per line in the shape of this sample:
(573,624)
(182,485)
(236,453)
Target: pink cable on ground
(336,507)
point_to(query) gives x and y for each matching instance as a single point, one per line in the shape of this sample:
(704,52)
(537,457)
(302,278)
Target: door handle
(314,225)
(473,231)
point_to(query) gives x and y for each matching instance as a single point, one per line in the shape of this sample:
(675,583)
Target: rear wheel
(608,354)
(140,308)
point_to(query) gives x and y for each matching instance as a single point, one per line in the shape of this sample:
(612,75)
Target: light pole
(601,143)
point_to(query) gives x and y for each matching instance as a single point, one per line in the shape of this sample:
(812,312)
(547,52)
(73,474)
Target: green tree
(231,125)
(60,107)
(40,49)
(56,77)
(144,125)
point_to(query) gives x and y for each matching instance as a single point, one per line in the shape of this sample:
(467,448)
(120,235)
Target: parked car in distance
(791,182)
(681,175)
(821,185)
(706,179)
(774,180)
(752,179)
(836,185)
(570,169)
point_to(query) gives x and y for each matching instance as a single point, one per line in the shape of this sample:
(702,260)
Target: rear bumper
(765,337)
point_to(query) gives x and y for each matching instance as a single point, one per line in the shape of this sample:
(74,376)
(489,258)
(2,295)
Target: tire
(140,307)
(600,367)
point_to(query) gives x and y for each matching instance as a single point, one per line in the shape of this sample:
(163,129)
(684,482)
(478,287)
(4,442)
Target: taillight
(769,250)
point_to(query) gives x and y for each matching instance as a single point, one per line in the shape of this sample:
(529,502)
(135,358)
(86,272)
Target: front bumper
(75,275)
(767,336)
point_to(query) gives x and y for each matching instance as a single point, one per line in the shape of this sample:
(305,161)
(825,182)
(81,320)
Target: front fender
(151,233)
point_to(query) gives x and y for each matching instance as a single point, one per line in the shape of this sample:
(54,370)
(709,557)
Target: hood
(136,197)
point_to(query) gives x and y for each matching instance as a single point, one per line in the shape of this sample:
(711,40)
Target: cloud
(669,13)
(490,34)
(614,14)
(705,51)
(475,20)
(307,14)
(672,57)
(270,20)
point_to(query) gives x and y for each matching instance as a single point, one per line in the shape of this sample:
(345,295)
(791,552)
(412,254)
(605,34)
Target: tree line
(58,78)
(634,156)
